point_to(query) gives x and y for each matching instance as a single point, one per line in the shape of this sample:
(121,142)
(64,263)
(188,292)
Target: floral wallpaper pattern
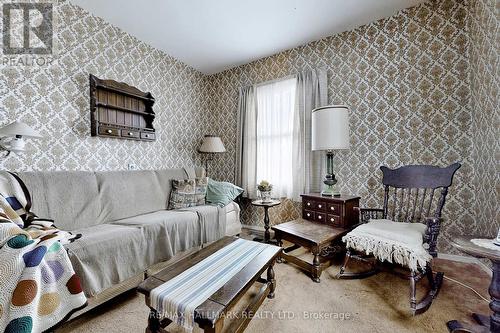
(54,99)
(407,80)
(422,86)
(485,72)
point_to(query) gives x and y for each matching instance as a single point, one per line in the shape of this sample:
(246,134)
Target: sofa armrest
(239,199)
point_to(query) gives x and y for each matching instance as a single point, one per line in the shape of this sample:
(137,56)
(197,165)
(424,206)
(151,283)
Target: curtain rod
(284,77)
(275,80)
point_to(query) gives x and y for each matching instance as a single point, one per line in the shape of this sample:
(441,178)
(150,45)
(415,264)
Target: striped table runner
(177,298)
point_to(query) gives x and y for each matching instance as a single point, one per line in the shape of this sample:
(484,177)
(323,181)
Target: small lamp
(211,145)
(330,131)
(12,136)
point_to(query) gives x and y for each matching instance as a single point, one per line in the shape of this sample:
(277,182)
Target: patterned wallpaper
(485,62)
(416,87)
(407,81)
(55,100)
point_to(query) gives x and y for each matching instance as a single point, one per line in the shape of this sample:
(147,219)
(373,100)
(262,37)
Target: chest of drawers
(336,211)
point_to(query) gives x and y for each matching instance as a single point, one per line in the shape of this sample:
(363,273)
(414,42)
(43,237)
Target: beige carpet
(375,304)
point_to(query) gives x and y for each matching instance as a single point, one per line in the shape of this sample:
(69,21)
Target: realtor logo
(27,28)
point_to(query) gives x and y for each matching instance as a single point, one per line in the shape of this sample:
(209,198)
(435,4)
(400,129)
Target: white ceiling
(214,35)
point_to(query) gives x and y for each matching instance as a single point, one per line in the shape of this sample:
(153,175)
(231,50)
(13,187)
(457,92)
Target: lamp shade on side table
(330,132)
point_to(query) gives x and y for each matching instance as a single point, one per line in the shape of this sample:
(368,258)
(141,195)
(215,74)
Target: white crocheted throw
(395,242)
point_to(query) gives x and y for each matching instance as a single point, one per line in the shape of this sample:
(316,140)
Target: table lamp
(211,145)
(12,136)
(330,132)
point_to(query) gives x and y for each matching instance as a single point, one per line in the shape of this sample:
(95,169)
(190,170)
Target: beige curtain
(246,145)
(309,167)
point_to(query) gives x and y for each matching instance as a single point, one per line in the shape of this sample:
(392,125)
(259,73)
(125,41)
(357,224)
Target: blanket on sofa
(39,287)
(14,197)
(15,201)
(144,240)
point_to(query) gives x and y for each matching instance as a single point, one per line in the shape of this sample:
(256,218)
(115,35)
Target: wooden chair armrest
(366,214)
(432,219)
(368,209)
(432,233)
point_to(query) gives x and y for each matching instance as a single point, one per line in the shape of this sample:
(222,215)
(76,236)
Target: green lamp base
(330,191)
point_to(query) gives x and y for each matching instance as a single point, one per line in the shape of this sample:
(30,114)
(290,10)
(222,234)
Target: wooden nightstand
(336,211)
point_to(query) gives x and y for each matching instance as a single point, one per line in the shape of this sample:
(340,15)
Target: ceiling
(215,35)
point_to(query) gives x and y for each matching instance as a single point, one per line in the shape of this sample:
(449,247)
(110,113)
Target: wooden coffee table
(314,236)
(210,314)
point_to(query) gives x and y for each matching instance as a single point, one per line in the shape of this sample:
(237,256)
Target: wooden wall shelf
(120,111)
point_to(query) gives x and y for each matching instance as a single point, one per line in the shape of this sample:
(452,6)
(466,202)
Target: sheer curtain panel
(275,132)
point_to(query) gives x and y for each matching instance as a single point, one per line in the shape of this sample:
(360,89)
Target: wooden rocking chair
(410,200)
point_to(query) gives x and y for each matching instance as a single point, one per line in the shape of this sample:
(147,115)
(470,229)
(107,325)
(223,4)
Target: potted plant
(265,189)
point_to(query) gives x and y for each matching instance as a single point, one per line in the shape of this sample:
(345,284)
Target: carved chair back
(410,191)
(410,196)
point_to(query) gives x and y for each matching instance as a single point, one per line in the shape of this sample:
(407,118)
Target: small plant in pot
(265,189)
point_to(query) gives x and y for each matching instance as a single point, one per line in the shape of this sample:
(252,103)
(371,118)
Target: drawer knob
(332,219)
(319,206)
(130,133)
(309,204)
(147,135)
(109,131)
(332,208)
(319,217)
(308,214)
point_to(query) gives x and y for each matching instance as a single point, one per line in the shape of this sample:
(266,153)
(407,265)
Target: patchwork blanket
(14,198)
(38,286)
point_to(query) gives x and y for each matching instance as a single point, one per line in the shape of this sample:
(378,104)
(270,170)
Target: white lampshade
(19,128)
(330,128)
(212,144)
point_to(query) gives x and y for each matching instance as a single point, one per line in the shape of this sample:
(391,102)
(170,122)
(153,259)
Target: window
(274,135)
(275,103)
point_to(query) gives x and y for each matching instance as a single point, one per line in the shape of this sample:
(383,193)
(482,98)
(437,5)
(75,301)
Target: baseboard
(452,257)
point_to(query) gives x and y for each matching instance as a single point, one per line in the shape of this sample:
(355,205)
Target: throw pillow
(222,193)
(188,193)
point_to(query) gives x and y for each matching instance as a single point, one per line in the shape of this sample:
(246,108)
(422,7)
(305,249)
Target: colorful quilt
(38,286)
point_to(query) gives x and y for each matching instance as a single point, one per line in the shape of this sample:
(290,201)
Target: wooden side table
(486,324)
(266,205)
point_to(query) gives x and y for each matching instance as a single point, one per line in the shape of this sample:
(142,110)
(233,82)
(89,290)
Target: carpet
(376,304)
